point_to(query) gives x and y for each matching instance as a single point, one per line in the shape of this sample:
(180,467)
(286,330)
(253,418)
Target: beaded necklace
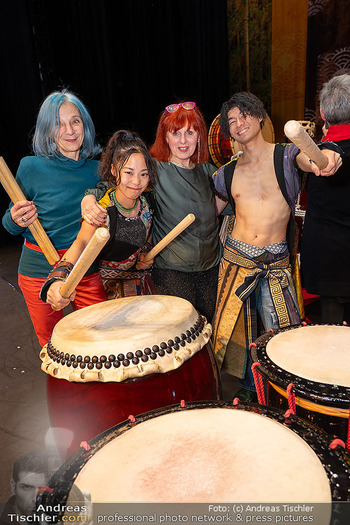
(113,198)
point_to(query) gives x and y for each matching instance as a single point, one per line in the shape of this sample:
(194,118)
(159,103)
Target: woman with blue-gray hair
(54,181)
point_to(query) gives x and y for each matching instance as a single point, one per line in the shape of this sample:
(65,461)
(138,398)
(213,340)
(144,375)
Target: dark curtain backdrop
(328,50)
(126,59)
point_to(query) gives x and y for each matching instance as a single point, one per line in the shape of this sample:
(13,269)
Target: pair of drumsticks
(293,130)
(93,248)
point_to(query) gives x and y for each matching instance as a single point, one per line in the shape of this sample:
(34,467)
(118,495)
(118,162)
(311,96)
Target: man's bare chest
(256,182)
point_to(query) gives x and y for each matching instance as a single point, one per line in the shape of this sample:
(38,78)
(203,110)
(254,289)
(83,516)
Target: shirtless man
(261,186)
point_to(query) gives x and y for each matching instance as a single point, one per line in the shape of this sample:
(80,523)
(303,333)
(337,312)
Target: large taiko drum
(126,356)
(207,452)
(316,360)
(220,147)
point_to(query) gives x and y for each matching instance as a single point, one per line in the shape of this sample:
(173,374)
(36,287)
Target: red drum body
(149,358)
(314,361)
(207,452)
(90,408)
(220,147)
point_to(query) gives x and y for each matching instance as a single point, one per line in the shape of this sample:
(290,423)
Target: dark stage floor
(24,419)
(23,415)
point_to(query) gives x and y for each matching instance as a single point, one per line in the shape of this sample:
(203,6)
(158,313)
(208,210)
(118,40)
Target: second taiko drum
(125,357)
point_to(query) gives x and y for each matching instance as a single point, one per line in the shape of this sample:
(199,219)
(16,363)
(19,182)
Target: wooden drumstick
(15,193)
(297,134)
(170,236)
(93,248)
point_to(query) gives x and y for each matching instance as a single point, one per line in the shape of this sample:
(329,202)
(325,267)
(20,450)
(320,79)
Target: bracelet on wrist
(146,247)
(59,273)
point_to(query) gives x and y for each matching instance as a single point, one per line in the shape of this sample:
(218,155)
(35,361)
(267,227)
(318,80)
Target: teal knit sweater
(56,186)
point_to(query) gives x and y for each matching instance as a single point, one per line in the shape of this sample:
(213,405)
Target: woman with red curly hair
(188,266)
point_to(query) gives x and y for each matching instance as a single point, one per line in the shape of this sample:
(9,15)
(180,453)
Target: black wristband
(45,287)
(59,273)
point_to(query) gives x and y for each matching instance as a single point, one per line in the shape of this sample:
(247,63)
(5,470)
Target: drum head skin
(125,338)
(314,358)
(317,353)
(207,455)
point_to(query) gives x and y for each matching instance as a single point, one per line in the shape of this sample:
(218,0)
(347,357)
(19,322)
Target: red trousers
(89,291)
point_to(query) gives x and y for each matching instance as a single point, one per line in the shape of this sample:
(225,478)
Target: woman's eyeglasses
(186,105)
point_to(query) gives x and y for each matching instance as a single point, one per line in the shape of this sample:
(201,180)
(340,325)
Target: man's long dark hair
(247,103)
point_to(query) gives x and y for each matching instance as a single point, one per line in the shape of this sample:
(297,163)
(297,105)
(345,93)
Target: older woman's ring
(24,220)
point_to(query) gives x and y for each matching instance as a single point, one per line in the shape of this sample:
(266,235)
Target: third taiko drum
(126,356)
(213,452)
(312,363)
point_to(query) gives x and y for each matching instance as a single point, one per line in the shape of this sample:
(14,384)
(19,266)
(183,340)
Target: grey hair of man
(335,100)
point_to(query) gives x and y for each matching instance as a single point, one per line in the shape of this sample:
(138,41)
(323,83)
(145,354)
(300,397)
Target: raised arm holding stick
(261,186)
(297,134)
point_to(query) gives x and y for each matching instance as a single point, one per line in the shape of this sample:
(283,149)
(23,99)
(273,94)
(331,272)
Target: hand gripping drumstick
(297,134)
(170,236)
(93,248)
(15,193)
